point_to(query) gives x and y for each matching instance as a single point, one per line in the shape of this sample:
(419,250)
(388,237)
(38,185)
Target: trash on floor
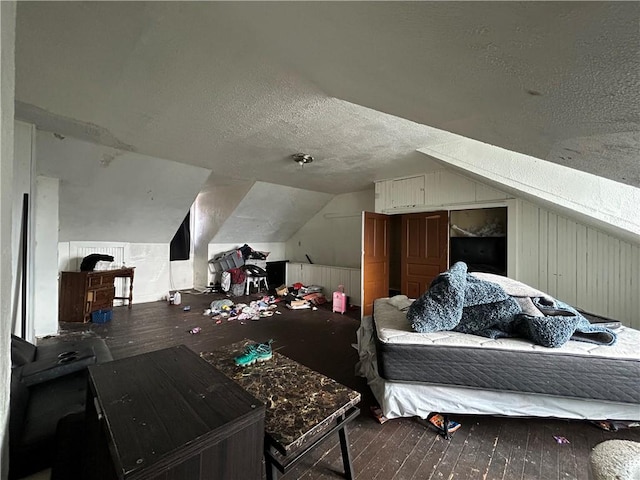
(195,330)
(316,298)
(310,289)
(257,309)
(377,413)
(174,298)
(614,425)
(437,421)
(561,440)
(298,304)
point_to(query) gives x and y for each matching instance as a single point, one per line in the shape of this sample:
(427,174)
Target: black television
(481,254)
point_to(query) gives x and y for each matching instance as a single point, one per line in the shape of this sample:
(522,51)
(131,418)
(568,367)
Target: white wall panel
(441,188)
(407,192)
(79,250)
(383,195)
(528,252)
(485,193)
(328,278)
(451,189)
(580,265)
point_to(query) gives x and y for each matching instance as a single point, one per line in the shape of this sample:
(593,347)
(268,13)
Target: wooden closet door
(375,259)
(425,238)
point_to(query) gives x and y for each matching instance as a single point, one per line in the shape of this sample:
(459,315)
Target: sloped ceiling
(267,216)
(237,87)
(112,195)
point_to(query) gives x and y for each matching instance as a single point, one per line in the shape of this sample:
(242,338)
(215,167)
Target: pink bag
(339,300)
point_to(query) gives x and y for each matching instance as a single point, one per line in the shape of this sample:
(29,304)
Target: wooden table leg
(131,290)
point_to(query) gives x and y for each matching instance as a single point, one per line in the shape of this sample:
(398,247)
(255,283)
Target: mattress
(576,370)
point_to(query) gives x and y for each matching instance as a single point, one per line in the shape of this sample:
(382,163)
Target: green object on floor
(255,352)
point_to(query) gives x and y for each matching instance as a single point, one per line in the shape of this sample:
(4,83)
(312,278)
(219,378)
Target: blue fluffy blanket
(463,303)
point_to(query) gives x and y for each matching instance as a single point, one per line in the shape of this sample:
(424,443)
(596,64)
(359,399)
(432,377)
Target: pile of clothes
(226,309)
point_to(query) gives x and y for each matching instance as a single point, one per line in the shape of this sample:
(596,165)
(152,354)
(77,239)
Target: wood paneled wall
(574,262)
(431,190)
(328,278)
(579,264)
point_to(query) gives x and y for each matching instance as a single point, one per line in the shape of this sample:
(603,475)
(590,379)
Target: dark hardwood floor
(483,448)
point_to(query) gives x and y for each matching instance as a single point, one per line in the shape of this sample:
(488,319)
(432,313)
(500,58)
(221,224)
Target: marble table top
(300,403)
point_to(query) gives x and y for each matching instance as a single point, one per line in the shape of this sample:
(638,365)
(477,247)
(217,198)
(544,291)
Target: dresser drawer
(98,280)
(100,298)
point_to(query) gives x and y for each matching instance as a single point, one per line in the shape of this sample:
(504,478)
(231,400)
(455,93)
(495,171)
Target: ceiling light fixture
(302,158)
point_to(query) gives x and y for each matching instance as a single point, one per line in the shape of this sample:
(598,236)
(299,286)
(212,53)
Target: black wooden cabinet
(167,415)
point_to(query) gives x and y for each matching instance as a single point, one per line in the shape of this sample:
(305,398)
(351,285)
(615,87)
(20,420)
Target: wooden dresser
(82,293)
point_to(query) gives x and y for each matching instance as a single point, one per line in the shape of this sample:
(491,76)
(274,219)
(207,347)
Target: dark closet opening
(181,242)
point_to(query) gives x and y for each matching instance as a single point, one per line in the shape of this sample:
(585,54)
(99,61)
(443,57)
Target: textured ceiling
(238,87)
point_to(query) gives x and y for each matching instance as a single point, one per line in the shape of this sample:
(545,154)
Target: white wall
(111,199)
(329,278)
(333,235)
(22,184)
(42,229)
(154,274)
(7,84)
(45,257)
(211,208)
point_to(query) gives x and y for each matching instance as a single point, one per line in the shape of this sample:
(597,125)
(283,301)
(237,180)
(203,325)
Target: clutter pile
(296,297)
(301,296)
(225,309)
(233,268)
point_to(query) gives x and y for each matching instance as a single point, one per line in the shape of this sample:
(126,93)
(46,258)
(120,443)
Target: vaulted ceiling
(238,87)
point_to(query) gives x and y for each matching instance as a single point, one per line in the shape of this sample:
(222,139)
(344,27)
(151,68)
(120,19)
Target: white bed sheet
(403,399)
(393,327)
